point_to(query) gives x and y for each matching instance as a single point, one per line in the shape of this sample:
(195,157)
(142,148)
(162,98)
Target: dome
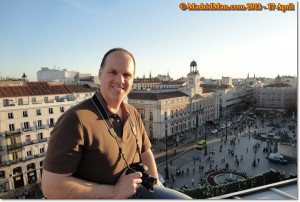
(278,79)
(193,63)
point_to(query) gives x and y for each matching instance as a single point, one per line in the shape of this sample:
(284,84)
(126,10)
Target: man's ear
(99,72)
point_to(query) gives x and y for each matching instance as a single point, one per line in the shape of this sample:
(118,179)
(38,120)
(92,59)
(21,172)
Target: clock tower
(193,81)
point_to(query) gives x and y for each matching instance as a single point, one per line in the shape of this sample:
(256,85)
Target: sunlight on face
(116,77)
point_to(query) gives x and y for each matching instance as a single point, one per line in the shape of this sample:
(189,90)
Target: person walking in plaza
(95,145)
(187,171)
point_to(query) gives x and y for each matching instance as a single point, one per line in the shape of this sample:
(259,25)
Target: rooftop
(155,96)
(278,85)
(41,88)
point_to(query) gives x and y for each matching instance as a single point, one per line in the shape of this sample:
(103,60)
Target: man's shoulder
(131,109)
(83,105)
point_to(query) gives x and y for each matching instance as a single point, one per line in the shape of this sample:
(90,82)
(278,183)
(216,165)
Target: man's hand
(127,184)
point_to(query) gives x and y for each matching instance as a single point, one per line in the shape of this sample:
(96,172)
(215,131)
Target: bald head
(114,50)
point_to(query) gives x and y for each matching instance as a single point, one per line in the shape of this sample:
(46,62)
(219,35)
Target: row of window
(14,140)
(177,113)
(19,170)
(10,115)
(7,102)
(26,125)
(30,153)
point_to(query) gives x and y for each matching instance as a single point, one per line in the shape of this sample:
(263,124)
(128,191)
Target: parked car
(214,131)
(277,158)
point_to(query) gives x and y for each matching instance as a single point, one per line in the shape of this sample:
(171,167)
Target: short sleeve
(65,145)
(146,144)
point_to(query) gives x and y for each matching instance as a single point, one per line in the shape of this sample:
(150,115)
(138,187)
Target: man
(91,147)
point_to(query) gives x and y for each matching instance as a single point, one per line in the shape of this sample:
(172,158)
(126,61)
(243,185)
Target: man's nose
(120,78)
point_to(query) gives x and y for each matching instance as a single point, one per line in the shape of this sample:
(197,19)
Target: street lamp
(167,169)
(205,147)
(196,127)
(226,125)
(197,120)
(254,161)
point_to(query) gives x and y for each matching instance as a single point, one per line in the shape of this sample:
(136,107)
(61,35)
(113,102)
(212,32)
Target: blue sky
(75,34)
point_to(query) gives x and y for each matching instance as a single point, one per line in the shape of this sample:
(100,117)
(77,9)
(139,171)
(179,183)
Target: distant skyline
(75,34)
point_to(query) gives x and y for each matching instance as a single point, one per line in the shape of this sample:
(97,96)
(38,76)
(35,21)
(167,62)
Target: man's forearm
(63,187)
(149,160)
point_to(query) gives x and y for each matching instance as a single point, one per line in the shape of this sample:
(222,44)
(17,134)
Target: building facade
(55,75)
(162,113)
(168,113)
(28,113)
(275,97)
(146,84)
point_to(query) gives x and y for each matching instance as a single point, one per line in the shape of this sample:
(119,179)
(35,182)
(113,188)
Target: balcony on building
(40,127)
(27,129)
(28,142)
(11,133)
(35,141)
(41,154)
(51,125)
(15,161)
(14,146)
(42,140)
(30,157)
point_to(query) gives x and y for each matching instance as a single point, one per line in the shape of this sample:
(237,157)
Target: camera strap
(109,125)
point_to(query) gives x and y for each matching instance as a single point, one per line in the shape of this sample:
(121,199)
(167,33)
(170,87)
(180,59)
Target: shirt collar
(123,107)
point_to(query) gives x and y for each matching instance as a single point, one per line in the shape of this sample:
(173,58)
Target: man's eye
(113,72)
(127,76)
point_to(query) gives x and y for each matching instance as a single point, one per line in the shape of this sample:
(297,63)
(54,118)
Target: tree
(269,177)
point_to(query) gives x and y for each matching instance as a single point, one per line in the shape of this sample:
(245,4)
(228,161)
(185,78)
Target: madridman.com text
(237,7)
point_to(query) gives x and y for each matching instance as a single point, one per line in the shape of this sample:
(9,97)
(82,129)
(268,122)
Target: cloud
(81,6)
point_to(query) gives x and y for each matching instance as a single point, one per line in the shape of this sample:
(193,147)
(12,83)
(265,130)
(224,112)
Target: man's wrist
(159,183)
(114,192)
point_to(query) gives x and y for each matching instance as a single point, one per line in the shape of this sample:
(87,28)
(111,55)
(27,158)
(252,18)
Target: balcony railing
(36,141)
(42,140)
(51,125)
(3,163)
(28,143)
(15,132)
(41,154)
(40,127)
(29,157)
(14,146)
(14,161)
(35,156)
(8,105)
(27,129)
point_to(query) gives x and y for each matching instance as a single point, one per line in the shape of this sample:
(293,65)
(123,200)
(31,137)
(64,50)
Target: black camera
(148,181)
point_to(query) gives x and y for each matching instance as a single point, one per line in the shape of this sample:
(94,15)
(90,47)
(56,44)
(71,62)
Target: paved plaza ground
(243,147)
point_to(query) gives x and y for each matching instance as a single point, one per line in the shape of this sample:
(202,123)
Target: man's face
(116,77)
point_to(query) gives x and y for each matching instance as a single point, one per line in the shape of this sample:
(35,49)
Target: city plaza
(195,166)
